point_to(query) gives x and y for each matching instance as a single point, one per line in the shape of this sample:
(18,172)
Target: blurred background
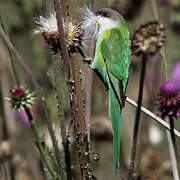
(153,160)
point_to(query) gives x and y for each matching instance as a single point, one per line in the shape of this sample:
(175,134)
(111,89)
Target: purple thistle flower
(176,75)
(168,101)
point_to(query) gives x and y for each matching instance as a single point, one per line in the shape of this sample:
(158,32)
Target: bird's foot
(88,60)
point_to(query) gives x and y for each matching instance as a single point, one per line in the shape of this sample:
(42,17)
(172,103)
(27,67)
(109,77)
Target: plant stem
(39,145)
(19,58)
(89,86)
(162,50)
(48,7)
(62,122)
(137,119)
(88,102)
(173,138)
(173,158)
(153,116)
(59,154)
(83,157)
(15,71)
(78,91)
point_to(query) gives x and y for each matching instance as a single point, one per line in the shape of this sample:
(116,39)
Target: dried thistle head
(49,29)
(21,98)
(148,39)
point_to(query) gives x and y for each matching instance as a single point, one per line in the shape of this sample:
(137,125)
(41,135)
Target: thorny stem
(83,159)
(153,116)
(62,122)
(137,118)
(19,58)
(78,91)
(38,143)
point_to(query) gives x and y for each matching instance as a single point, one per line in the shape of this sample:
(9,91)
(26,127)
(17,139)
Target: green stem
(62,122)
(15,71)
(39,145)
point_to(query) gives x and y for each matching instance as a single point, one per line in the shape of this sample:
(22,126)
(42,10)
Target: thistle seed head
(49,29)
(148,39)
(21,98)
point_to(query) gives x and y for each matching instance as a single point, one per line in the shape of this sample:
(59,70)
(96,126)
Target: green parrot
(108,31)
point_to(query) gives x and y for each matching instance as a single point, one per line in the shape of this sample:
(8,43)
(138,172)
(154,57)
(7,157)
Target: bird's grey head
(95,24)
(108,13)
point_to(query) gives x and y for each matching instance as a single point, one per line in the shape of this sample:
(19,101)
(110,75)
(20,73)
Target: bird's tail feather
(115,115)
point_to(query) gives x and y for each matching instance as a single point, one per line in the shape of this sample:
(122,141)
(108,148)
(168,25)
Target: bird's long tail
(115,115)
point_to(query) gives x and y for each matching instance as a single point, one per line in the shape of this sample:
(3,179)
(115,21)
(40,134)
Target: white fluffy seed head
(46,25)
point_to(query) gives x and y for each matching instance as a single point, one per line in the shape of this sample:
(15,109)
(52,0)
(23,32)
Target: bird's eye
(102,13)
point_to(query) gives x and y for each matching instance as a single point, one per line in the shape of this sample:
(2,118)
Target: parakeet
(109,32)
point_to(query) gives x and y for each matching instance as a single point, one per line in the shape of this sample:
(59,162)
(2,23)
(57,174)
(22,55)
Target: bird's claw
(88,60)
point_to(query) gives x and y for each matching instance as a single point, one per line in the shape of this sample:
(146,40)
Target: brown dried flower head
(148,39)
(49,29)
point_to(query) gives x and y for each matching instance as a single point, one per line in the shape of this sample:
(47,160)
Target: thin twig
(48,7)
(153,116)
(173,138)
(89,86)
(39,145)
(19,58)
(137,119)
(162,50)
(173,158)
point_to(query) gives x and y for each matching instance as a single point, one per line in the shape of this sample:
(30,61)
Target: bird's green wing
(115,49)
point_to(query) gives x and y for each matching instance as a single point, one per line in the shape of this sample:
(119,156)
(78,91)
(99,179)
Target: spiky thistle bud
(49,29)
(168,101)
(20,98)
(148,39)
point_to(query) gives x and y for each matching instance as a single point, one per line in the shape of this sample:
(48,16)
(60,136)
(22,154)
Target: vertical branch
(137,119)
(173,157)
(62,122)
(173,139)
(48,7)
(162,50)
(79,131)
(78,91)
(2,113)
(89,85)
